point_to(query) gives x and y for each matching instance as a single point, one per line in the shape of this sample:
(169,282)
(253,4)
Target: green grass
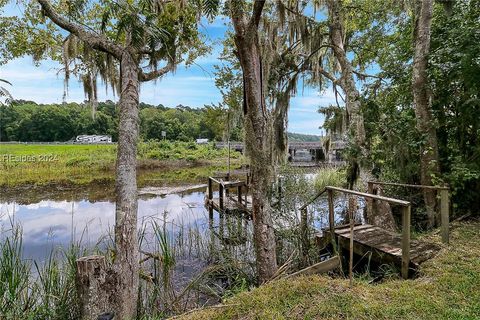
(85,164)
(448,288)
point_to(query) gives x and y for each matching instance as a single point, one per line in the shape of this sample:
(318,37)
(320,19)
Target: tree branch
(238,17)
(256,15)
(94,40)
(156,73)
(362,76)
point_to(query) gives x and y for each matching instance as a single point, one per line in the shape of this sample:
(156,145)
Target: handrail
(313,199)
(371,196)
(420,186)
(406,221)
(444,202)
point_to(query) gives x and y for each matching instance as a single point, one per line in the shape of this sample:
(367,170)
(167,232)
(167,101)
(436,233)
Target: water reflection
(47,224)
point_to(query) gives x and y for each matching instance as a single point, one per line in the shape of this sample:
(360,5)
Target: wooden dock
(231,205)
(237,202)
(385,246)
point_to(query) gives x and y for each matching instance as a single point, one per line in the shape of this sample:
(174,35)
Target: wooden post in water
(220,195)
(444,213)
(210,189)
(406,211)
(304,235)
(210,198)
(331,219)
(239,193)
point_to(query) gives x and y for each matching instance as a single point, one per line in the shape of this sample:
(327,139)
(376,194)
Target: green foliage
(27,121)
(178,150)
(454,84)
(50,294)
(455,78)
(302,137)
(5,96)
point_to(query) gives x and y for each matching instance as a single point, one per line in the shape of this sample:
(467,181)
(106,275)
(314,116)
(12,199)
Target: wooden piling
(331,219)
(220,195)
(444,213)
(239,194)
(304,235)
(352,225)
(406,212)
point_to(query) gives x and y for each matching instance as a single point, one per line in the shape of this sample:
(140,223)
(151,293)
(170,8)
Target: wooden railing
(444,202)
(406,222)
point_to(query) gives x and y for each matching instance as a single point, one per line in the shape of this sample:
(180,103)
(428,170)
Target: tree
(337,29)
(429,160)
(257,132)
(131,33)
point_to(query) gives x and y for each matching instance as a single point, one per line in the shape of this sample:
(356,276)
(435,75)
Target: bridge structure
(299,151)
(296,145)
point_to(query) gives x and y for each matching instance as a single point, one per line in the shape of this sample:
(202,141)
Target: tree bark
(258,137)
(429,165)
(126,268)
(347,80)
(279,127)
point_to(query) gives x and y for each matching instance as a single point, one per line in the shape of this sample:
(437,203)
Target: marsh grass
(329,177)
(29,164)
(31,290)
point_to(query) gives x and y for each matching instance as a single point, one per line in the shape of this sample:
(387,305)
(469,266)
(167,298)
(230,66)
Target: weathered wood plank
(385,245)
(317,268)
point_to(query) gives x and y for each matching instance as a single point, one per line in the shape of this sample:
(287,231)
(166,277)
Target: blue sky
(193,86)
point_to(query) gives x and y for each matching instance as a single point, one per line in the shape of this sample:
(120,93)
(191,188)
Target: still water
(55,220)
(48,224)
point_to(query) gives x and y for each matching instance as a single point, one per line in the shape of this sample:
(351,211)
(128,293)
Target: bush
(329,177)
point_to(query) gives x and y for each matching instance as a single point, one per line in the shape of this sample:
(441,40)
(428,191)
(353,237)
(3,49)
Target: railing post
(406,211)
(444,212)
(239,194)
(352,226)
(369,201)
(304,235)
(220,195)
(210,189)
(331,219)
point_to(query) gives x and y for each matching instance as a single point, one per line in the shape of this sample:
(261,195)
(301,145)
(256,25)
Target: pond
(56,223)
(172,222)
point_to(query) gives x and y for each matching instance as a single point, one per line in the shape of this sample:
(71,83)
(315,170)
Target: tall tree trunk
(347,81)
(126,268)
(258,137)
(279,129)
(429,165)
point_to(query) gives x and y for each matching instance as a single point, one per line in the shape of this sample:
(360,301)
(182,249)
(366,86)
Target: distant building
(93,139)
(202,141)
(334,146)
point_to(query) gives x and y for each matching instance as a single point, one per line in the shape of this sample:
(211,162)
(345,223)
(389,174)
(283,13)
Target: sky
(193,86)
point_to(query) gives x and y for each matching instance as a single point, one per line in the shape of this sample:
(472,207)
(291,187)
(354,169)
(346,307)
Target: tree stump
(90,281)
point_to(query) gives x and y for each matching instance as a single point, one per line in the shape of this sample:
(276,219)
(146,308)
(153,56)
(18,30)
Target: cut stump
(90,281)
